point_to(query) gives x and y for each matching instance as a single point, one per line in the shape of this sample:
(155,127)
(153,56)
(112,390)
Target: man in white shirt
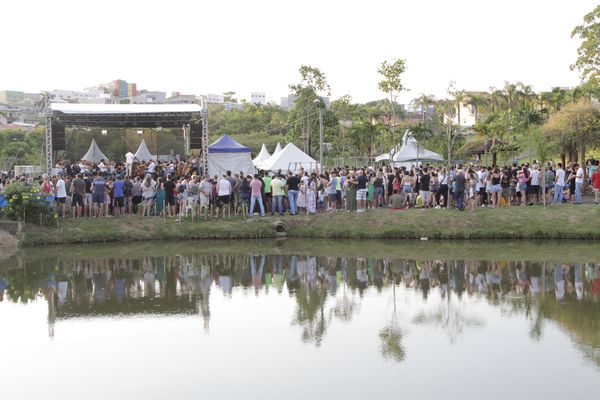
(152,167)
(61,195)
(129,159)
(559,185)
(534,187)
(578,183)
(224,193)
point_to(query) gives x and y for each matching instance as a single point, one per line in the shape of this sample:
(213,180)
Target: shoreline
(535,223)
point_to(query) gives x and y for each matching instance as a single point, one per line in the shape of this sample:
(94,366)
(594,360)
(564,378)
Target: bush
(28,203)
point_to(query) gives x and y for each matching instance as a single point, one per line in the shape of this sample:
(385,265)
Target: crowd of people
(178,188)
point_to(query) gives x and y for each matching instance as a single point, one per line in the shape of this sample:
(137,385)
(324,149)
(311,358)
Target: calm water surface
(260,321)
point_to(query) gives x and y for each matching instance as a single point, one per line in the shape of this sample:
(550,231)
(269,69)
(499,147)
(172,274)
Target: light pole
(318,103)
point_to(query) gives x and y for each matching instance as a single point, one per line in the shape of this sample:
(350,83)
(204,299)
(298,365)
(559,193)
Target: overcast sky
(199,47)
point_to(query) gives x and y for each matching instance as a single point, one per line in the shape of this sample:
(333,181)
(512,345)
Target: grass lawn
(558,222)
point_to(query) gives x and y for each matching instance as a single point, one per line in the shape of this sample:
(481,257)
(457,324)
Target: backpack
(127,188)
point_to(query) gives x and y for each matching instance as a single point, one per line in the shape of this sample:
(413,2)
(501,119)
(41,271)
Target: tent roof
(94,154)
(262,155)
(277,148)
(142,153)
(87,109)
(289,156)
(410,152)
(126,115)
(226,144)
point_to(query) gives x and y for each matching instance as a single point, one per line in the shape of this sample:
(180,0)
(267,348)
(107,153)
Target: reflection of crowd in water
(95,281)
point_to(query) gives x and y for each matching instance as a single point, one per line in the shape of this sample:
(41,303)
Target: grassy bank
(582,222)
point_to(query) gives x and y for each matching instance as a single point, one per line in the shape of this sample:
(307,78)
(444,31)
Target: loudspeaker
(58,137)
(196,136)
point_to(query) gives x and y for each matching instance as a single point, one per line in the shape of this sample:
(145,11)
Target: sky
(200,47)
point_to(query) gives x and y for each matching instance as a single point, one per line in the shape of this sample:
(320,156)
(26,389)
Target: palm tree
(424,101)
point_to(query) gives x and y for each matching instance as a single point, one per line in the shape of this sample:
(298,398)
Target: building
(215,98)
(259,98)
(120,88)
(288,101)
(178,98)
(467,116)
(11,96)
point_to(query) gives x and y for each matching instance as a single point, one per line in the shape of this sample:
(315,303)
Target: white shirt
(152,167)
(60,189)
(579,177)
(129,157)
(224,187)
(560,177)
(535,177)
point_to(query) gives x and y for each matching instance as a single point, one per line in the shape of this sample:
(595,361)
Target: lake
(302,319)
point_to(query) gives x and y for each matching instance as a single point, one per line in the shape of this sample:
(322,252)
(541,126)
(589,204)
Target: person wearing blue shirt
(118,196)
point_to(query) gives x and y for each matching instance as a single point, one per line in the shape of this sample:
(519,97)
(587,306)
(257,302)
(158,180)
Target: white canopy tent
(410,153)
(94,154)
(290,158)
(271,157)
(142,153)
(263,155)
(228,155)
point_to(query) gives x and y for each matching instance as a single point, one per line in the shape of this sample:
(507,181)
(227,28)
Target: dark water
(311,320)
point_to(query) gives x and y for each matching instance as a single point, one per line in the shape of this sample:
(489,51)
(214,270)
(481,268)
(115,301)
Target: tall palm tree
(424,101)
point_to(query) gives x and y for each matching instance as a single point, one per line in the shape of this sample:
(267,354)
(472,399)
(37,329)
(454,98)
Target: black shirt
(169,188)
(362,182)
(293,182)
(88,185)
(459,182)
(424,183)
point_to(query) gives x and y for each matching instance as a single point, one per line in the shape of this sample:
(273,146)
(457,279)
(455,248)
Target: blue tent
(226,144)
(228,155)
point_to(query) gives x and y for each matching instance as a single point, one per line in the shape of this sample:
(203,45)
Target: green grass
(565,222)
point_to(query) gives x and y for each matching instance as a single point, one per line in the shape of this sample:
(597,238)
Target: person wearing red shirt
(596,183)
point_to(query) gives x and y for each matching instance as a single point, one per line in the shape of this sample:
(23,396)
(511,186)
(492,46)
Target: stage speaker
(196,136)
(58,137)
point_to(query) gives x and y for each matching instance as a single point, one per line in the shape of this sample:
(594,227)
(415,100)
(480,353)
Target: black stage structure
(192,118)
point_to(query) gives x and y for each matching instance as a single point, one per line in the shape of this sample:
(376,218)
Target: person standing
(224,190)
(596,183)
(61,195)
(459,189)
(361,191)
(256,196)
(78,192)
(169,187)
(311,194)
(277,192)
(129,158)
(579,179)
(119,196)
(98,195)
(292,192)
(559,185)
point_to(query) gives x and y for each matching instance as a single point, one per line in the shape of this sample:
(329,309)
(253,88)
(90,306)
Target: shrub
(28,203)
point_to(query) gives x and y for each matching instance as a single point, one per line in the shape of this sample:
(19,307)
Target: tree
(424,101)
(304,115)
(228,97)
(576,127)
(391,84)
(588,53)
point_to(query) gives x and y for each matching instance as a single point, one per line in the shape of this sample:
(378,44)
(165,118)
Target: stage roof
(126,115)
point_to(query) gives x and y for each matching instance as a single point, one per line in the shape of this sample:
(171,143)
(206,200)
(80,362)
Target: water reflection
(324,289)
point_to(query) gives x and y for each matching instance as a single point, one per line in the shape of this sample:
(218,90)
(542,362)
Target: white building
(215,98)
(258,98)
(71,96)
(467,116)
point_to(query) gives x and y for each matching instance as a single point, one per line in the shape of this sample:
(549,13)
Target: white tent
(271,157)
(142,153)
(289,158)
(410,153)
(262,156)
(228,155)
(94,154)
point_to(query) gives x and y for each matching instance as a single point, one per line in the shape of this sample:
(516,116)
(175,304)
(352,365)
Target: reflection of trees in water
(450,318)
(310,314)
(391,343)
